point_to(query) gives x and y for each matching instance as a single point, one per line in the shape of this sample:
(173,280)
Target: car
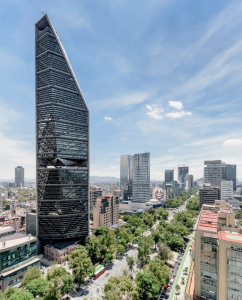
(134,248)
(126,254)
(107,274)
(172,270)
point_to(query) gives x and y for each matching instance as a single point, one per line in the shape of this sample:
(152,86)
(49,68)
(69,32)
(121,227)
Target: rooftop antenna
(43,13)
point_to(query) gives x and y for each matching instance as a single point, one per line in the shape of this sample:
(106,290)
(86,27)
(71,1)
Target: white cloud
(178,114)
(176,104)
(155,111)
(122,100)
(232,143)
(108,119)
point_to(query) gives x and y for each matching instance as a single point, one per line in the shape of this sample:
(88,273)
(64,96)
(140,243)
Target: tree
(182,280)
(147,285)
(177,287)
(53,289)
(93,248)
(22,295)
(108,257)
(193,204)
(120,288)
(144,248)
(9,292)
(67,280)
(131,263)
(32,273)
(162,213)
(120,249)
(101,230)
(160,271)
(55,272)
(156,236)
(37,287)
(80,264)
(164,252)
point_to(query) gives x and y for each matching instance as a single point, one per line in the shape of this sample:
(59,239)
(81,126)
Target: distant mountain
(13,180)
(103,179)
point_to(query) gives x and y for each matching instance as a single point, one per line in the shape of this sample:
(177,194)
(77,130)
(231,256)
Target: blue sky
(161,76)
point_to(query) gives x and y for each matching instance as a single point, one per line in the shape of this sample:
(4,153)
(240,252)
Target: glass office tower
(141,177)
(62,144)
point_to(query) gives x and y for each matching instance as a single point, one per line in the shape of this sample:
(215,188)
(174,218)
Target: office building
(126,175)
(31,221)
(169,175)
(216,170)
(182,173)
(226,190)
(189,182)
(218,254)
(62,144)
(208,194)
(230,174)
(213,172)
(105,212)
(19,176)
(17,254)
(141,177)
(94,194)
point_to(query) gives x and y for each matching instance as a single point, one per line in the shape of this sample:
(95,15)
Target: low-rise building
(105,212)
(218,253)
(17,254)
(58,254)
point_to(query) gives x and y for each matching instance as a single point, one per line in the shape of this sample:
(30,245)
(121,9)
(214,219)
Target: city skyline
(177,95)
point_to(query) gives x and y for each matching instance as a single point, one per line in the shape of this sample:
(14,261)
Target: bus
(98,272)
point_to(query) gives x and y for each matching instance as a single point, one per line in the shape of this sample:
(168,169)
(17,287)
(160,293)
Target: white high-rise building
(226,190)
(141,177)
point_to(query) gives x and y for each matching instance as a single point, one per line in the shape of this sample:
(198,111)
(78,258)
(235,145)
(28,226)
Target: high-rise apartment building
(62,144)
(105,211)
(169,175)
(94,194)
(208,194)
(218,254)
(226,190)
(141,177)
(19,176)
(216,170)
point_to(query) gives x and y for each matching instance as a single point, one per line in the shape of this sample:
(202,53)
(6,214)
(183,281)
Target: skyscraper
(126,175)
(216,170)
(213,172)
(62,144)
(141,177)
(230,174)
(19,176)
(169,175)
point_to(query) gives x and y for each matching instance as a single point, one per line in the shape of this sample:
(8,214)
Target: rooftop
(15,240)
(226,211)
(230,237)
(208,221)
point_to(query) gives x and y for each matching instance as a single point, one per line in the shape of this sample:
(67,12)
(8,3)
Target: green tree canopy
(80,263)
(147,285)
(31,274)
(120,287)
(37,287)
(22,295)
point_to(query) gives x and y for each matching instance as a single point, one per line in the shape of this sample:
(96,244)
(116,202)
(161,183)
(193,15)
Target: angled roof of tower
(41,25)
